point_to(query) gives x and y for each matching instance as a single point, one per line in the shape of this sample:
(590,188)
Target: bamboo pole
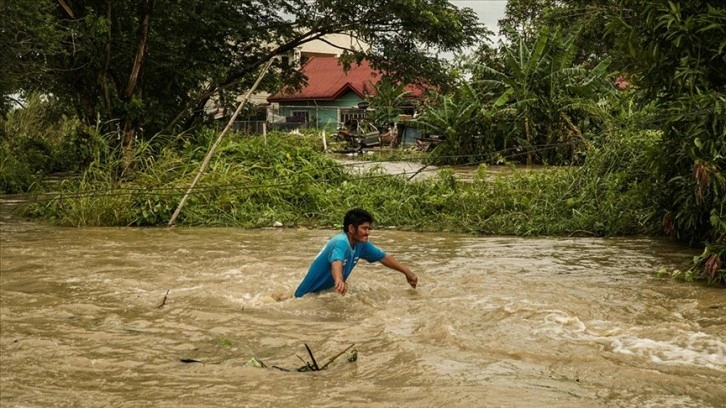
(205,163)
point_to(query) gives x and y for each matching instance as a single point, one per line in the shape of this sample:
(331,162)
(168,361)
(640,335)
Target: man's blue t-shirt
(338,248)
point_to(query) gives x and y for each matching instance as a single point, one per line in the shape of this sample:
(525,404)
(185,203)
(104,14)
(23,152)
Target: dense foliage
(678,54)
(257,181)
(42,139)
(531,98)
(146,66)
(590,17)
(538,91)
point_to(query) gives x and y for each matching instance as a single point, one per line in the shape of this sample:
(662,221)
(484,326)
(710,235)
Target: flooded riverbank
(418,171)
(496,321)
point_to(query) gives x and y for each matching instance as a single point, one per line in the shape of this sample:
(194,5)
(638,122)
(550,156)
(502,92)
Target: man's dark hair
(356,217)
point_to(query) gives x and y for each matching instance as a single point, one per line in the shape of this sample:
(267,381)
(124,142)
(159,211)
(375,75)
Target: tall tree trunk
(133,89)
(103,77)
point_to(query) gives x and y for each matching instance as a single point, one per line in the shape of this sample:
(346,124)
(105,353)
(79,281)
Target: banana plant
(456,118)
(386,101)
(542,94)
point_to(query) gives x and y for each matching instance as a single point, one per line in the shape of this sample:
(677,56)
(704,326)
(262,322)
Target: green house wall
(323,113)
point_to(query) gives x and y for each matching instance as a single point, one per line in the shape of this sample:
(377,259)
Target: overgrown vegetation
(39,139)
(541,95)
(532,97)
(257,181)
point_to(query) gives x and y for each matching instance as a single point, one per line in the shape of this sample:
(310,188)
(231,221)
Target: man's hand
(336,268)
(393,263)
(341,287)
(412,279)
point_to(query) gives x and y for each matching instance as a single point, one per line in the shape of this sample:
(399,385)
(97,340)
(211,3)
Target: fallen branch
(163,301)
(254,362)
(190,360)
(417,172)
(315,363)
(280,368)
(306,367)
(338,355)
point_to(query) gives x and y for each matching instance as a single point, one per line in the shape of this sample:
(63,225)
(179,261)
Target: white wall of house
(339,40)
(328,47)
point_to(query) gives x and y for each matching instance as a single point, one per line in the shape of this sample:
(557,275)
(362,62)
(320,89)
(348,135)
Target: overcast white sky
(489,11)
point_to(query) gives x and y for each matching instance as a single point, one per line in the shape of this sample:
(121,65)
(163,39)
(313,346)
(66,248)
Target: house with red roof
(331,95)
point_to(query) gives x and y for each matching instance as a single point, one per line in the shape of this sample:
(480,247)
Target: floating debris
(254,362)
(353,356)
(163,301)
(309,366)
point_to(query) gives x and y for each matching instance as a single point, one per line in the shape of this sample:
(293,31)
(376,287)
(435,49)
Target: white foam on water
(252,300)
(232,273)
(694,349)
(570,323)
(186,289)
(673,345)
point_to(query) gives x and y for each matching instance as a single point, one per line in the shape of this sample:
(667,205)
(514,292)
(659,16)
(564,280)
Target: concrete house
(331,95)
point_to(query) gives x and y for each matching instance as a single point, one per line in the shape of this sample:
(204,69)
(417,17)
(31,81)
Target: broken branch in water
(312,357)
(338,355)
(163,301)
(190,360)
(280,368)
(306,367)
(254,362)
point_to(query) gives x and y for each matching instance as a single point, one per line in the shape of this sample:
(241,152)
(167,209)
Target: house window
(299,116)
(349,115)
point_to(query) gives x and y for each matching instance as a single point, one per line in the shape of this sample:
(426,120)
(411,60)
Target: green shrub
(257,181)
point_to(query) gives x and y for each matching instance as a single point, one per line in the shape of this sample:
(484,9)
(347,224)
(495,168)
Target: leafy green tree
(677,55)
(525,17)
(471,135)
(589,17)
(27,38)
(544,95)
(528,96)
(145,66)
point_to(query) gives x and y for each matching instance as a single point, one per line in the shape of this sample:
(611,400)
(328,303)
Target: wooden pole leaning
(205,163)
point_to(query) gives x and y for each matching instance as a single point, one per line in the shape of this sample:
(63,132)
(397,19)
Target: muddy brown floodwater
(495,322)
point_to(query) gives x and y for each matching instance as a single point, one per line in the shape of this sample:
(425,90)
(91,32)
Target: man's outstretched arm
(393,263)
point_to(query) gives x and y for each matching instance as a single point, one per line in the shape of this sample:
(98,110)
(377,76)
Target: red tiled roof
(328,81)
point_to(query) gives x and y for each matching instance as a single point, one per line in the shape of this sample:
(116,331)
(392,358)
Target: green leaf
(504,98)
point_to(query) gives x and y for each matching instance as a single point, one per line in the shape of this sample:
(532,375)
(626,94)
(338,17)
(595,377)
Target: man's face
(361,233)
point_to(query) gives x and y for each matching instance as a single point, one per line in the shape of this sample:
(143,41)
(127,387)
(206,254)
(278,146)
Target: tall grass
(258,181)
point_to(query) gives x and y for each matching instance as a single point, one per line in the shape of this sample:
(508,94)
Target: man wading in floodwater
(332,266)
